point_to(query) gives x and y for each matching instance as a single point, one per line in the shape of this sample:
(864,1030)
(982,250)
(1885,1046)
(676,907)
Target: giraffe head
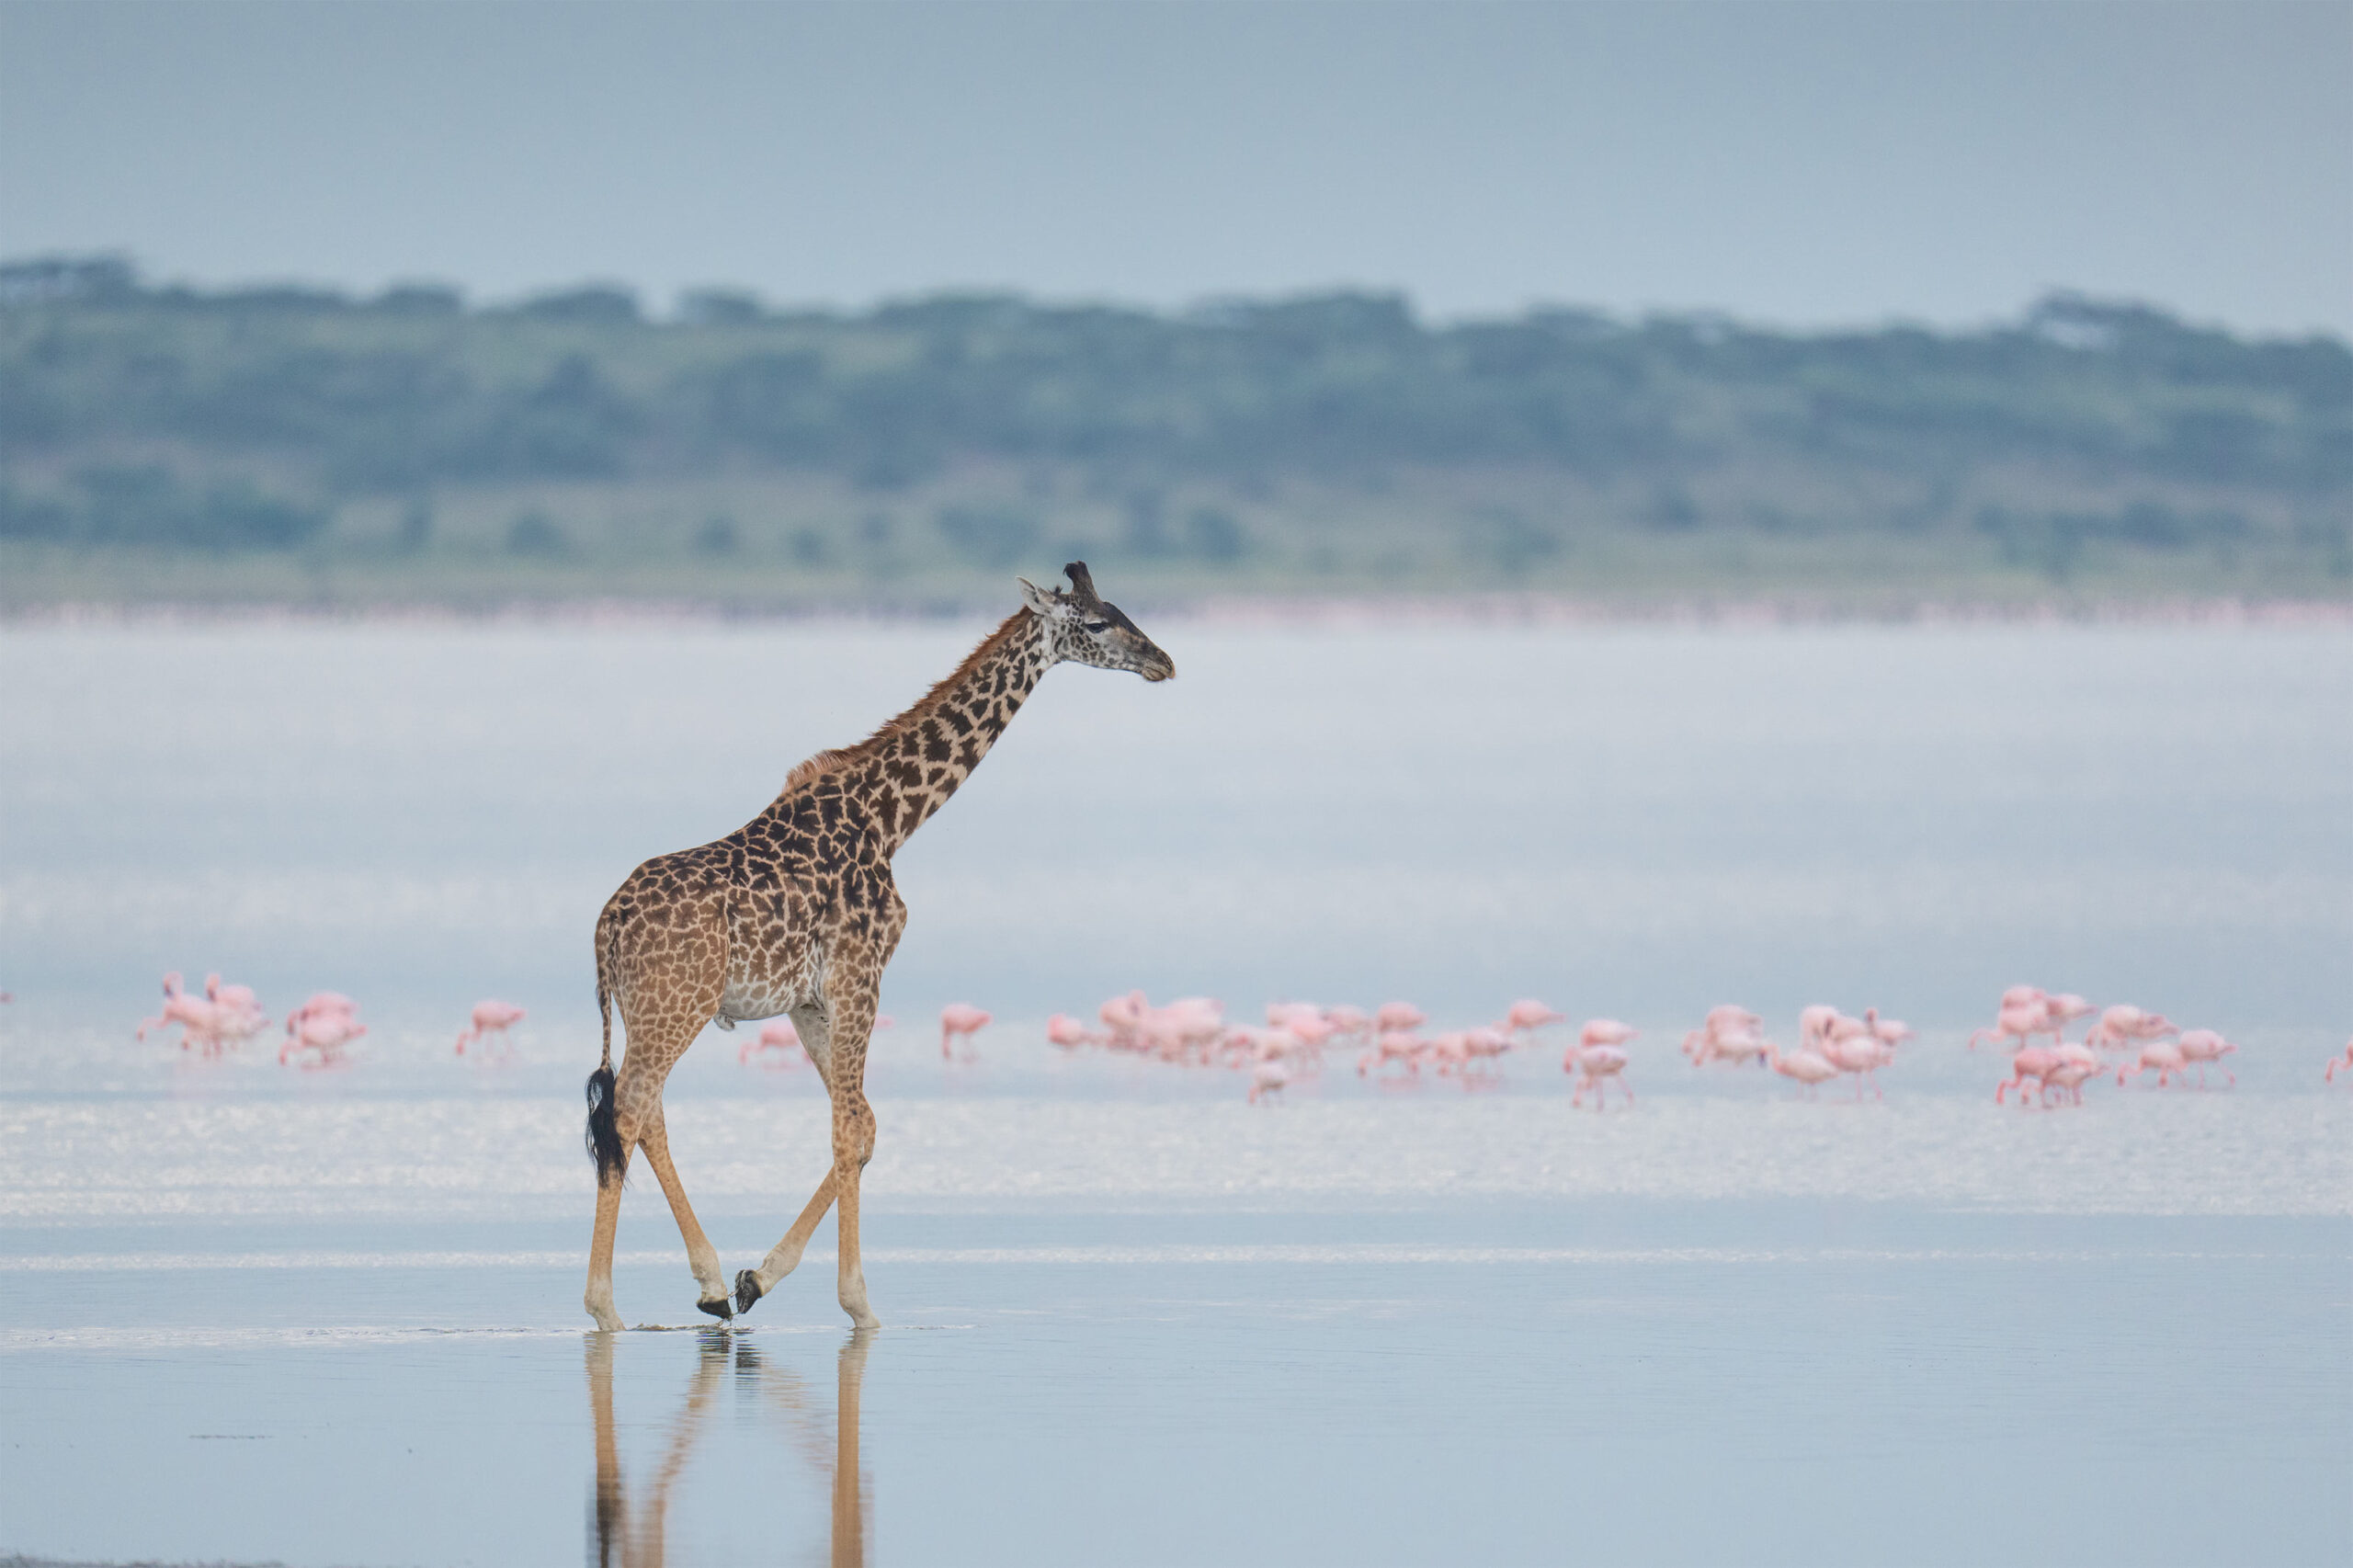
(1082,628)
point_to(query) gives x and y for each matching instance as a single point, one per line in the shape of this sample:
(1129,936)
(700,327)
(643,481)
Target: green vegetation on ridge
(283,443)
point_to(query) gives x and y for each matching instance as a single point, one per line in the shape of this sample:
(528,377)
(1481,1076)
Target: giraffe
(795,912)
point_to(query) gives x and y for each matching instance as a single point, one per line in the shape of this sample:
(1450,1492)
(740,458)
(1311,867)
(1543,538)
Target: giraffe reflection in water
(626,1537)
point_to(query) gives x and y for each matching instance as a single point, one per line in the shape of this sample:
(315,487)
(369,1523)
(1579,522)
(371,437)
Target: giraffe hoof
(747,1291)
(719,1307)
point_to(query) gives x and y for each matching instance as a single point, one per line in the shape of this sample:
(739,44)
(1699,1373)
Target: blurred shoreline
(1353,612)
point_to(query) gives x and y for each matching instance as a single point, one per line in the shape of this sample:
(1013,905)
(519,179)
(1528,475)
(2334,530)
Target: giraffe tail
(604,1133)
(604,1137)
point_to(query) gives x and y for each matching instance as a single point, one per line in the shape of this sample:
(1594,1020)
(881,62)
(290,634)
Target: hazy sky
(1799,164)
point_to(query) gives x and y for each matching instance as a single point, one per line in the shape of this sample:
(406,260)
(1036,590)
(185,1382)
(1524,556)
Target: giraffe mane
(826,762)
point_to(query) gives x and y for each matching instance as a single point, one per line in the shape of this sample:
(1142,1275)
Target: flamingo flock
(1829,1043)
(225,1017)
(316,1033)
(2027,1011)
(1193,1031)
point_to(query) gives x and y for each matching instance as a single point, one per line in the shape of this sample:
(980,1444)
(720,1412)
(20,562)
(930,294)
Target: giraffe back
(745,926)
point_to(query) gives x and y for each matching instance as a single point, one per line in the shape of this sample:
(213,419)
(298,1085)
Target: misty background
(778,305)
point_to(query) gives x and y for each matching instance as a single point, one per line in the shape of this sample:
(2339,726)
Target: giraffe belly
(746,1004)
(768,990)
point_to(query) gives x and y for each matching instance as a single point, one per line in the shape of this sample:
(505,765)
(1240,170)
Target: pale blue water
(248,1313)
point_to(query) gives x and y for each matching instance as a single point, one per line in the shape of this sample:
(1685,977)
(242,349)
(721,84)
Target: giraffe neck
(906,770)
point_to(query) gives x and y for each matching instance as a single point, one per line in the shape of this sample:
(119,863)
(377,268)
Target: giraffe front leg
(850,1000)
(814,1028)
(785,1256)
(853,1146)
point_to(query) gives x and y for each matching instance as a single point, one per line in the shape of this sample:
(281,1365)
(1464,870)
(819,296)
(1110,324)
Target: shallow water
(1794,1382)
(249,1313)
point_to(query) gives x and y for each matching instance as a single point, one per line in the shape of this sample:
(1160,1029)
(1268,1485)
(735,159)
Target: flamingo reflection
(635,1537)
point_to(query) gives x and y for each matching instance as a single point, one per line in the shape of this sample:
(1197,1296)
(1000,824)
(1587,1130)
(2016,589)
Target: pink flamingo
(1598,1059)
(1124,1016)
(1395,1045)
(194,1014)
(2068,1077)
(1722,1022)
(237,1014)
(960,1018)
(1481,1046)
(1527,1015)
(1068,1033)
(1307,1024)
(322,1003)
(1855,1051)
(1889,1032)
(1187,1028)
(1243,1045)
(2199,1047)
(2344,1059)
(1449,1053)
(324,1024)
(2022,1016)
(1268,1078)
(1399,1016)
(2034,1061)
(1814,1023)
(2065,1008)
(1600,1054)
(1349,1023)
(2160,1056)
(1194,1019)
(776,1035)
(1810,1068)
(2123,1026)
(494,1018)
(1737,1049)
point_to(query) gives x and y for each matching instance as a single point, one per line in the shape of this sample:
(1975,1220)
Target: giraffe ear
(1039,601)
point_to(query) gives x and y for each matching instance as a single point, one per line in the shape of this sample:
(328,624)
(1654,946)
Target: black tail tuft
(604,1137)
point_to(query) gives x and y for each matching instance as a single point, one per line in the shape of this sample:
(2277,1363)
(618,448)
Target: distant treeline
(138,415)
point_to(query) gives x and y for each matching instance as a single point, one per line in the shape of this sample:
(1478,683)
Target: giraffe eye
(1098,626)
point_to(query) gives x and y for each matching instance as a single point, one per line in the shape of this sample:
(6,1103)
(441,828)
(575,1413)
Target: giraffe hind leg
(702,1257)
(655,1046)
(598,1297)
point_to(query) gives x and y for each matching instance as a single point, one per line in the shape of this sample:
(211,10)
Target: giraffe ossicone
(795,912)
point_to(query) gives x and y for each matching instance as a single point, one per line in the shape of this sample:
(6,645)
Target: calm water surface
(333,1318)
